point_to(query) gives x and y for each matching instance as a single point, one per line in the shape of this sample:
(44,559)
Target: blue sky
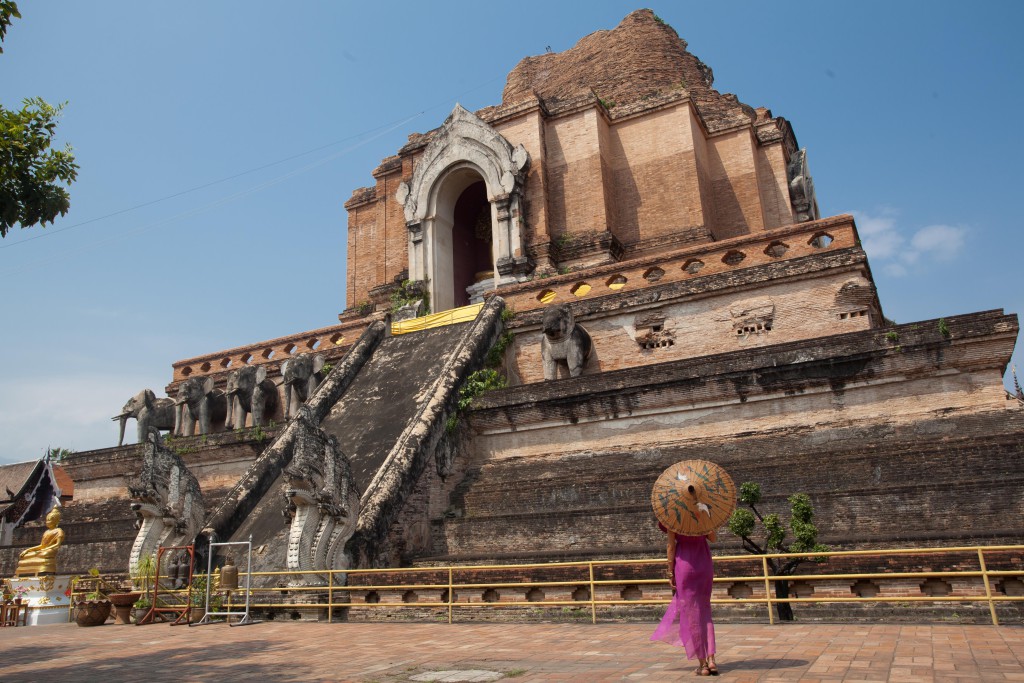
(240,128)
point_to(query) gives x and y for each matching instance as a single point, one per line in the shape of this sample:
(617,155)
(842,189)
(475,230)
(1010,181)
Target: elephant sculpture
(564,342)
(198,402)
(301,378)
(249,391)
(148,411)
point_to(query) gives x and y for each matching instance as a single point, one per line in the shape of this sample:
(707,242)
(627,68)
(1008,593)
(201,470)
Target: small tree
(743,523)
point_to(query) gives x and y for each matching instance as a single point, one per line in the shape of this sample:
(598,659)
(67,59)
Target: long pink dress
(687,621)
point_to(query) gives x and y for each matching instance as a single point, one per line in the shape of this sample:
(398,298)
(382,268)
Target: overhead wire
(212,183)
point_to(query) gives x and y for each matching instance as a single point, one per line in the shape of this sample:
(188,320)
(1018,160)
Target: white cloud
(898,256)
(943,242)
(65,411)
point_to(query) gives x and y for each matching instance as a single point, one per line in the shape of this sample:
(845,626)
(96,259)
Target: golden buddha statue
(42,558)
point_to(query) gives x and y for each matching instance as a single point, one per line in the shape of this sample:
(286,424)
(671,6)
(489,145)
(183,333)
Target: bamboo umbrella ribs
(693,497)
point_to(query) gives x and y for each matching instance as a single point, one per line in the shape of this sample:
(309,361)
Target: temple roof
(27,489)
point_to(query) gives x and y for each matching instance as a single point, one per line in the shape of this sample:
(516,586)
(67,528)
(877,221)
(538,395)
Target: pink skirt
(687,621)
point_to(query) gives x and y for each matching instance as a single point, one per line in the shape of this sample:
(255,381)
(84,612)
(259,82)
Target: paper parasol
(693,497)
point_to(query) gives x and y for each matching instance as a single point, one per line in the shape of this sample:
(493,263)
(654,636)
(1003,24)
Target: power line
(214,204)
(203,186)
(389,127)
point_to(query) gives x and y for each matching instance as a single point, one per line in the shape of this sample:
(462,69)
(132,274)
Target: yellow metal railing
(584,574)
(464,314)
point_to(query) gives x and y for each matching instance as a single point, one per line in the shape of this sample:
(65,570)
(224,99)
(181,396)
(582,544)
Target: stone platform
(388,653)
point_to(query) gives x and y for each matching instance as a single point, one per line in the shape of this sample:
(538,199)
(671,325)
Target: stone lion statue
(564,342)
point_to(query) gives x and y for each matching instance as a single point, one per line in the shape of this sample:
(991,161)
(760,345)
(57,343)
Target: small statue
(564,341)
(42,558)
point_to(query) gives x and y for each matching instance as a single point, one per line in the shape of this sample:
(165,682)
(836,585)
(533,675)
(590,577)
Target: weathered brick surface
(628,139)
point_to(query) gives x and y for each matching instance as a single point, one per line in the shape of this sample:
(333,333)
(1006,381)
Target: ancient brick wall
(651,155)
(528,130)
(772,311)
(872,485)
(99,524)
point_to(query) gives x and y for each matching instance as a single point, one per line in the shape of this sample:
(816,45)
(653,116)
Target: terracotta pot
(92,612)
(123,606)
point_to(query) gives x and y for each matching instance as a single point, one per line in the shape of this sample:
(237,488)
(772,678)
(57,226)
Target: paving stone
(274,652)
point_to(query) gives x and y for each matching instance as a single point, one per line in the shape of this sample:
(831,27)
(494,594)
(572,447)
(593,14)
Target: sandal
(703,670)
(712,668)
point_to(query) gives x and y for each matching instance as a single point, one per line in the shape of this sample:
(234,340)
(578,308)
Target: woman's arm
(712,537)
(672,560)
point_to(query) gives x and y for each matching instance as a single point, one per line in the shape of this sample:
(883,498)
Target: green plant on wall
(409,291)
(476,384)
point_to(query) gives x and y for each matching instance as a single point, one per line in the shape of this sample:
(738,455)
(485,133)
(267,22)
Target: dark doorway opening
(471,241)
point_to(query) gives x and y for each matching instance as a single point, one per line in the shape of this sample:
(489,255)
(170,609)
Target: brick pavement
(388,653)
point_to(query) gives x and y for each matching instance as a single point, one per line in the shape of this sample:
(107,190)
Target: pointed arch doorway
(463,209)
(461,243)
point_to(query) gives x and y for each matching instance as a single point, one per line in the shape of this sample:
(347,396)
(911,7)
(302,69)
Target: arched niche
(463,152)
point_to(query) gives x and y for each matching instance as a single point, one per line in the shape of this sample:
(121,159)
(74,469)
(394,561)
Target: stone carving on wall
(651,332)
(249,391)
(564,342)
(752,316)
(166,499)
(301,378)
(148,411)
(198,403)
(466,143)
(801,188)
(322,500)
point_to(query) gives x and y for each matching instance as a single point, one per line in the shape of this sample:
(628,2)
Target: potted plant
(143,572)
(94,608)
(141,608)
(199,598)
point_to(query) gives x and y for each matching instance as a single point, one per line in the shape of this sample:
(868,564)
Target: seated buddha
(42,558)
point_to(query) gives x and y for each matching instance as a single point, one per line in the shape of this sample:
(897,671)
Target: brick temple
(728,320)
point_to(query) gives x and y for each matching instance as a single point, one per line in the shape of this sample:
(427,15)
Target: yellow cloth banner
(464,314)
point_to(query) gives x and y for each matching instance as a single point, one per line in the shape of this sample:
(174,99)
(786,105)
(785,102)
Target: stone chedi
(615,200)
(42,558)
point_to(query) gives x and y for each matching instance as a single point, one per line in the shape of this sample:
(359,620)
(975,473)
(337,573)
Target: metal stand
(246,618)
(182,613)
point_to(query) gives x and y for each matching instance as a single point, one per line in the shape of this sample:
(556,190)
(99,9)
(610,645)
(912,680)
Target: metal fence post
(767,590)
(451,594)
(988,587)
(330,596)
(593,604)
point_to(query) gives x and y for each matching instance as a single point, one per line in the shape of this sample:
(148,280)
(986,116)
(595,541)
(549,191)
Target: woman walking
(691,499)
(687,622)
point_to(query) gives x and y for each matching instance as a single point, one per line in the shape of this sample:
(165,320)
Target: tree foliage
(8,12)
(57,454)
(771,538)
(31,173)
